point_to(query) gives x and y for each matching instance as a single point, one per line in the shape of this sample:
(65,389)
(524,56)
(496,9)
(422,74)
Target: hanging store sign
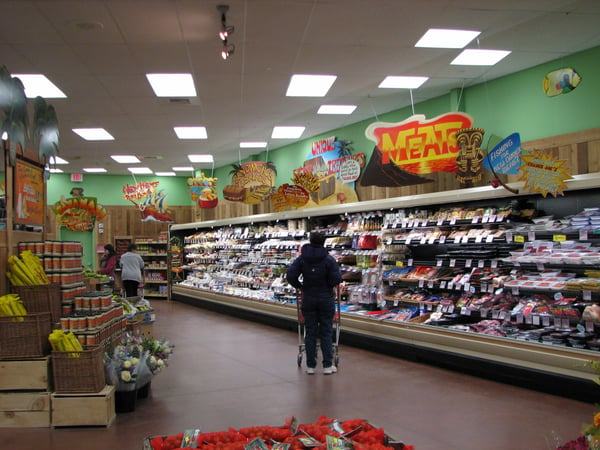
(151,202)
(505,157)
(78,213)
(420,146)
(544,173)
(251,183)
(203,190)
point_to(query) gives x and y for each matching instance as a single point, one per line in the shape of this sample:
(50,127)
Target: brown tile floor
(227,372)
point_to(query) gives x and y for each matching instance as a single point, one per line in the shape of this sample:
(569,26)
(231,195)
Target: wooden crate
(25,375)
(24,409)
(144,330)
(84,409)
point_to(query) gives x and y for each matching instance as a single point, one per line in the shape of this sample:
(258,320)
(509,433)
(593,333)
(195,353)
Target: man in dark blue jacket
(320,274)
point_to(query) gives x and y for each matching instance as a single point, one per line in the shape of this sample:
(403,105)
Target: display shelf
(477,249)
(155,254)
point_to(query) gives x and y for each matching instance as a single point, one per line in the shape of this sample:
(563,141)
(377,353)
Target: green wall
(515,103)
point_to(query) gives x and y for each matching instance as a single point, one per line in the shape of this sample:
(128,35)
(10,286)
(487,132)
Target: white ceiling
(102,69)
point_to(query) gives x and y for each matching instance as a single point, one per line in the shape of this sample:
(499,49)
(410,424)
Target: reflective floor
(228,372)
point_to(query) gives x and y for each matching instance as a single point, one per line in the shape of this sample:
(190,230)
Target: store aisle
(228,372)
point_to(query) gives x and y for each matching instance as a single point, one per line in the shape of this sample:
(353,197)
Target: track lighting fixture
(226,32)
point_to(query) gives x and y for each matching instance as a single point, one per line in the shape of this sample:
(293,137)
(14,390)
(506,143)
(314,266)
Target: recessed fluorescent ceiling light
(183,169)
(139,170)
(336,109)
(94,169)
(165,174)
(475,57)
(57,160)
(201,158)
(125,159)
(253,145)
(310,85)
(439,38)
(287,132)
(172,84)
(94,134)
(191,132)
(37,84)
(396,82)
(52,170)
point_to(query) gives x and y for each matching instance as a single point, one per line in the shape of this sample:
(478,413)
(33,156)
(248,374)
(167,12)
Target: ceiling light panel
(172,84)
(94,170)
(201,159)
(125,159)
(139,170)
(336,109)
(310,85)
(57,160)
(183,169)
(94,134)
(38,85)
(191,132)
(398,82)
(441,38)
(165,174)
(52,170)
(476,57)
(253,145)
(287,132)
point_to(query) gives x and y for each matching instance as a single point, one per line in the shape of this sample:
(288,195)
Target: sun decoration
(544,173)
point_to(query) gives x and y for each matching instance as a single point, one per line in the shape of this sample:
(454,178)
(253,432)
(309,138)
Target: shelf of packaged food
(560,360)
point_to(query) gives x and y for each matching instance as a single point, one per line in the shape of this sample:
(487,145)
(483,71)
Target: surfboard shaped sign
(505,158)
(561,81)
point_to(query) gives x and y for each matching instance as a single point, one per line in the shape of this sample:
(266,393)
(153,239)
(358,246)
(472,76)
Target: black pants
(131,288)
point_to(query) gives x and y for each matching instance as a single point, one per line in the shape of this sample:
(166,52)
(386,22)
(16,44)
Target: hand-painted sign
(420,146)
(252,182)
(561,81)
(203,190)
(505,158)
(151,203)
(544,173)
(28,194)
(78,213)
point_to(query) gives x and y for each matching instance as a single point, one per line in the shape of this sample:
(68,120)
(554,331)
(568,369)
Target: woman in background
(108,263)
(132,271)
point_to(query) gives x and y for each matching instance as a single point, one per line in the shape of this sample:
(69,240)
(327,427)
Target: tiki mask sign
(470,156)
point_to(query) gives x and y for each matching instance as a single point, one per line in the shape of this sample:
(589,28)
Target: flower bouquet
(125,367)
(159,352)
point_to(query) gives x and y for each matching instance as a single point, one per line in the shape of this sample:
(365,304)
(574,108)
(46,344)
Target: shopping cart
(302,328)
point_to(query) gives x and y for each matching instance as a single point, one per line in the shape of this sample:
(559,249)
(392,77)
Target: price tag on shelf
(408,239)
(489,238)
(483,312)
(481,263)
(583,235)
(465,239)
(432,240)
(439,262)
(440,221)
(587,295)
(421,283)
(467,287)
(540,267)
(411,224)
(450,309)
(467,311)
(457,239)
(442,239)
(509,236)
(442,285)
(485,219)
(409,263)
(494,263)
(422,305)
(557,322)
(475,220)
(565,323)
(535,320)
(450,285)
(468,263)
(520,239)
(395,302)
(589,326)
(478,238)
(453,221)
(423,240)
(515,290)
(495,314)
(425,222)
(528,319)
(559,238)
(545,321)
(452,263)
(519,318)
(430,284)
(531,235)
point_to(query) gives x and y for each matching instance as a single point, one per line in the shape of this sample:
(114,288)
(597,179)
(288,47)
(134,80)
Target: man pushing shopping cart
(316,274)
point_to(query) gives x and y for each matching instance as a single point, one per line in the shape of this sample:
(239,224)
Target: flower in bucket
(159,352)
(123,366)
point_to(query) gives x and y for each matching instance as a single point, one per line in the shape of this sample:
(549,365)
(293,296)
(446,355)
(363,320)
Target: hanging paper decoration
(78,213)
(544,173)
(203,190)
(252,182)
(561,81)
(151,203)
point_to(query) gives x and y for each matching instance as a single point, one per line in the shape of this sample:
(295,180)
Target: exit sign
(77,177)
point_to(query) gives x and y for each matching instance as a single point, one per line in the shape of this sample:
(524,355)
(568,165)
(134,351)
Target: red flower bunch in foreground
(363,435)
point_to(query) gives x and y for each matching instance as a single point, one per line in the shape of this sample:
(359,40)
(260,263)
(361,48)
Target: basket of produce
(324,433)
(24,336)
(76,369)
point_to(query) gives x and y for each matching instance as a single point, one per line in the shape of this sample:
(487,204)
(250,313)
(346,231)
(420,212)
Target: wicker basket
(25,337)
(41,298)
(82,374)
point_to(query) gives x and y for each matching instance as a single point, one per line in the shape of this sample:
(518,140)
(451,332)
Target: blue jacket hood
(313,253)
